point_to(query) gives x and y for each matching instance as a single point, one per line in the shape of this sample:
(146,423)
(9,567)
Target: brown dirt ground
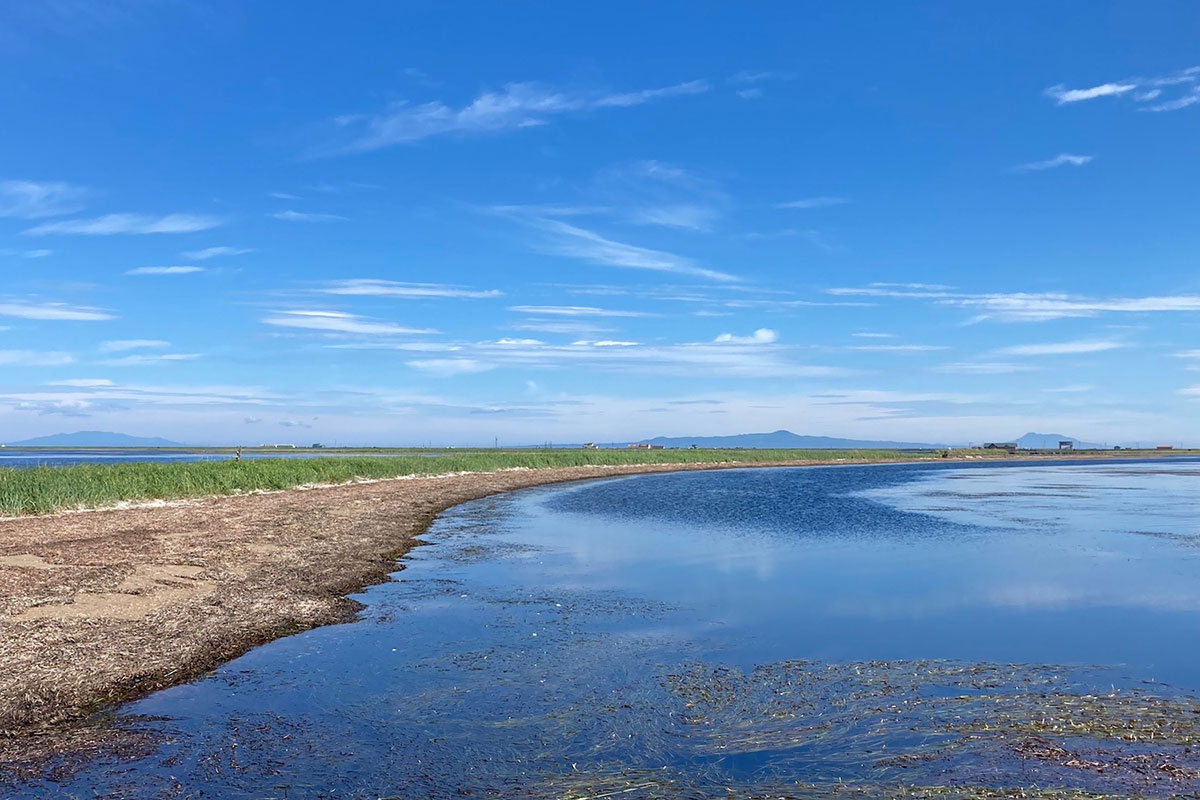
(105,606)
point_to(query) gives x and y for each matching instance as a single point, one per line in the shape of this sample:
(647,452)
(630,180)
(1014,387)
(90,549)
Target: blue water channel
(710,633)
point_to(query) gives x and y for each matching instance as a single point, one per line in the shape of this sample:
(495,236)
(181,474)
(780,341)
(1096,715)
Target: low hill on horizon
(786,440)
(1049,441)
(94,439)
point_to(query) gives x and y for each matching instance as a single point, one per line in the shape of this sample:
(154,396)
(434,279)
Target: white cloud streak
(111,224)
(34,358)
(576,242)
(82,383)
(36,199)
(1060,160)
(1062,95)
(303,216)
(577,311)
(516,106)
(338,322)
(760,336)
(1030,307)
(563,238)
(53,311)
(374,287)
(123,345)
(164,270)
(214,252)
(1141,90)
(983,368)
(729,359)
(1076,347)
(814,202)
(148,359)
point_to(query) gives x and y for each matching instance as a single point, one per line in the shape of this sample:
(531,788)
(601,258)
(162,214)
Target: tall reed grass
(44,489)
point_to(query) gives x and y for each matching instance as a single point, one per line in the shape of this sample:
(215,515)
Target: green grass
(45,489)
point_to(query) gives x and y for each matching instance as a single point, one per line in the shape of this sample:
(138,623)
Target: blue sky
(409,223)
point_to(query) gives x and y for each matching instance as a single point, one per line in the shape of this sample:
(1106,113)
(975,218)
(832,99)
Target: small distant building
(1009,447)
(1165,447)
(645,446)
(1066,444)
(277,446)
(590,446)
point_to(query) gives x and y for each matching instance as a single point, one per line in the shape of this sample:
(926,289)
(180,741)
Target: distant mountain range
(786,440)
(94,439)
(776,440)
(1049,441)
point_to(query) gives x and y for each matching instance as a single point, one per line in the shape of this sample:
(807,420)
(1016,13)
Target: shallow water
(644,634)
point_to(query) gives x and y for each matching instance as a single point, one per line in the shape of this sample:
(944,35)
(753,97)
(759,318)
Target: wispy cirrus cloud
(1075,347)
(214,252)
(111,224)
(558,237)
(516,106)
(39,253)
(446,367)
(983,368)
(1060,160)
(760,336)
(306,216)
(375,287)
(723,359)
(565,328)
(814,202)
(36,199)
(34,358)
(123,345)
(179,270)
(576,242)
(897,348)
(656,193)
(82,383)
(148,359)
(1062,95)
(684,216)
(1143,91)
(338,322)
(1027,306)
(577,311)
(749,81)
(53,311)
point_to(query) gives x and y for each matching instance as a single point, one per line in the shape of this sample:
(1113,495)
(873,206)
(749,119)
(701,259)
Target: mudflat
(103,606)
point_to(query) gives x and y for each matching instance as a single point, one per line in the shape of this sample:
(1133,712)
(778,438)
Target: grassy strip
(45,489)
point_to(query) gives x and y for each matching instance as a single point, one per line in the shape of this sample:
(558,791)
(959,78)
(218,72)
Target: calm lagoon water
(693,632)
